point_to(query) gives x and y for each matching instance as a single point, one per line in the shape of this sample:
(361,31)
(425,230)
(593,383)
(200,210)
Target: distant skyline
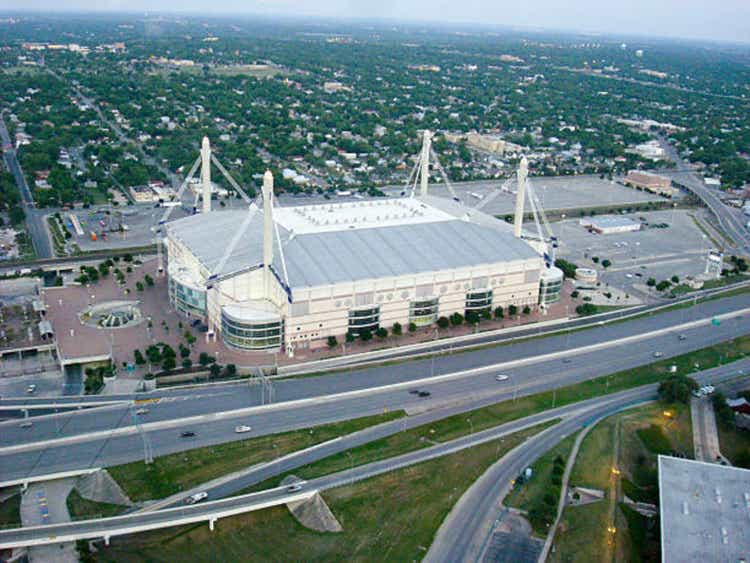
(720,20)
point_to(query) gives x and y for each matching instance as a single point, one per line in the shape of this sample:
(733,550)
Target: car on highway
(501,377)
(197,497)
(142,411)
(424,394)
(242,428)
(187,434)
(26,424)
(294,488)
(31,388)
(682,337)
(658,354)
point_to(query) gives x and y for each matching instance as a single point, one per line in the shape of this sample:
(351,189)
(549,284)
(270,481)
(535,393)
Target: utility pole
(148,454)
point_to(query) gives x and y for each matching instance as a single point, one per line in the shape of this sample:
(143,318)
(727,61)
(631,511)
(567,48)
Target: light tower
(206,174)
(523,173)
(267,231)
(425,161)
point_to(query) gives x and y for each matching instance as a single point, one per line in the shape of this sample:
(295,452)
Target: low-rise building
(609,224)
(654,183)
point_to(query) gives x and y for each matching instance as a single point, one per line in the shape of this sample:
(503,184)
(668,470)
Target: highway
(65,442)
(458,534)
(730,220)
(34,218)
(576,415)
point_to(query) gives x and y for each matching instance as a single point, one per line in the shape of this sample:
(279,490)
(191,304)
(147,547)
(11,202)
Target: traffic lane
(573,368)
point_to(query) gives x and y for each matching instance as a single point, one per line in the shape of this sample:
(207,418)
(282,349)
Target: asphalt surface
(531,377)
(34,219)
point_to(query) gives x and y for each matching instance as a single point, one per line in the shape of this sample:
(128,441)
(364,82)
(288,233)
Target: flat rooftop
(705,511)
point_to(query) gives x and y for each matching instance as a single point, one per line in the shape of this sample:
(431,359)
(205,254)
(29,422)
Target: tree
(149,280)
(230,370)
(365,334)
(382,332)
(677,388)
(332,342)
(349,337)
(651,282)
(606,263)
(169,363)
(139,359)
(568,268)
(512,310)
(412,327)
(499,312)
(527,310)
(204,359)
(139,285)
(153,354)
(662,285)
(187,363)
(472,317)
(215,370)
(595,259)
(675,279)
(396,329)
(184,351)
(443,322)
(457,319)
(724,413)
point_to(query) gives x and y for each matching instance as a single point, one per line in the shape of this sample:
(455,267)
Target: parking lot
(679,249)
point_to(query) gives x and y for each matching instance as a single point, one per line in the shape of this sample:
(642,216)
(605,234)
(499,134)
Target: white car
(501,378)
(197,497)
(141,411)
(294,488)
(242,429)
(26,424)
(31,388)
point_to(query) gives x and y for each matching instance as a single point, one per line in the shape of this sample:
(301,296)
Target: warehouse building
(290,277)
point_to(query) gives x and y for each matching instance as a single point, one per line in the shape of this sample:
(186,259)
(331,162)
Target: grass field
(10,512)
(530,495)
(392,517)
(634,437)
(176,472)
(81,508)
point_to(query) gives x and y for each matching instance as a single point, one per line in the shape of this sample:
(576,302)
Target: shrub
(586,309)
(498,312)
(662,285)
(215,370)
(381,332)
(472,317)
(139,359)
(397,329)
(412,327)
(230,370)
(606,263)
(568,268)
(512,310)
(595,259)
(204,359)
(365,334)
(526,310)
(457,319)
(574,293)
(139,286)
(675,279)
(443,322)
(332,342)
(149,280)
(187,363)
(169,363)
(349,337)
(651,282)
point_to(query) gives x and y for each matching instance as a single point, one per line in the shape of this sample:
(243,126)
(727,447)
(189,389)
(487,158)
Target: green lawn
(81,508)
(581,533)
(392,517)
(10,512)
(529,496)
(176,472)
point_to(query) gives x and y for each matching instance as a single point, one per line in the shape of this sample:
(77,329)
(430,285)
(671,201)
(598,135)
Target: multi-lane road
(106,436)
(34,218)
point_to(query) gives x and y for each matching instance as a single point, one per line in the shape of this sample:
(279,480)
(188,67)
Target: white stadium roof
(331,243)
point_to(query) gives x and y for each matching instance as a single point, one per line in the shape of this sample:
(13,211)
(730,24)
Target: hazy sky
(718,19)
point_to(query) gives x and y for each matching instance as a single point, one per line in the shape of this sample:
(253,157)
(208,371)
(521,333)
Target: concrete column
(424,174)
(106,540)
(267,230)
(523,173)
(212,524)
(206,174)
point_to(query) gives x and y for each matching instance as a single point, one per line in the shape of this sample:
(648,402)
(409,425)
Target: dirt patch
(312,513)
